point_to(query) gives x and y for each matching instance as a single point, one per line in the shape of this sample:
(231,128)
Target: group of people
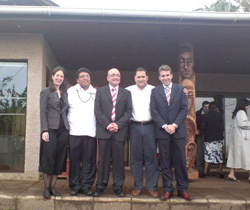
(210,140)
(80,115)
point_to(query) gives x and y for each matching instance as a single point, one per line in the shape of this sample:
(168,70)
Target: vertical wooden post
(187,79)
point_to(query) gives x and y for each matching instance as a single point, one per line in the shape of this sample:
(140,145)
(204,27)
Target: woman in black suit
(213,142)
(54,130)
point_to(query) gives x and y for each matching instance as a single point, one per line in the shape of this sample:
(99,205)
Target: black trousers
(53,154)
(82,151)
(111,150)
(178,158)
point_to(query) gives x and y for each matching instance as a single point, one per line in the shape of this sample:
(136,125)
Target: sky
(164,5)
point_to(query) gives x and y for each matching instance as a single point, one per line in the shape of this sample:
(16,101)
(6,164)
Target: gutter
(121,16)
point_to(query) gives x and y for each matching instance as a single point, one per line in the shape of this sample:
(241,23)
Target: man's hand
(170,129)
(113,128)
(45,136)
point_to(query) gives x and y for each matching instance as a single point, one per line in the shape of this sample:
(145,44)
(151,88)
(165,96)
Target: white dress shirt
(141,102)
(81,115)
(170,86)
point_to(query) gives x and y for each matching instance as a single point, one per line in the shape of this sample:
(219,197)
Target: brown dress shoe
(166,195)
(153,193)
(185,195)
(136,192)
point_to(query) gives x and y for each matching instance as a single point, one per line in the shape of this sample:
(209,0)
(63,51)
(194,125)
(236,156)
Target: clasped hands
(113,127)
(170,129)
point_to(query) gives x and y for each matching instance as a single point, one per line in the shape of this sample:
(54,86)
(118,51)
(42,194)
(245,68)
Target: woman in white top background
(239,145)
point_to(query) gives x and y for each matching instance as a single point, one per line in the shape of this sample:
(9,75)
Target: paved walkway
(209,193)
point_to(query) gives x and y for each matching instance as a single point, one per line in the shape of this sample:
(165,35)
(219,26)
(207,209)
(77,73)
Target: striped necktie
(114,97)
(168,94)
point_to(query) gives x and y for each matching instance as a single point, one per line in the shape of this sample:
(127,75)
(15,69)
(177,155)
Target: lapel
(108,93)
(56,100)
(119,96)
(173,92)
(162,93)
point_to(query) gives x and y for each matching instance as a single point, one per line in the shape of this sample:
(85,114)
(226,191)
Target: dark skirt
(53,154)
(213,152)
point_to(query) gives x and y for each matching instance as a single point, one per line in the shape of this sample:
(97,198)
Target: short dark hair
(212,106)
(79,71)
(141,69)
(165,68)
(205,103)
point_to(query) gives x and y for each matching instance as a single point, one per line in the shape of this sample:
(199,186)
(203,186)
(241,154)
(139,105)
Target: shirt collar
(169,86)
(89,90)
(140,88)
(111,87)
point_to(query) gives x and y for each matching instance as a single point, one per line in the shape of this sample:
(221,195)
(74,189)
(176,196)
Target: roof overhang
(100,39)
(122,16)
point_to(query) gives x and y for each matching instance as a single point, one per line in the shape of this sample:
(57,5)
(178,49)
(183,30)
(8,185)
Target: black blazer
(213,126)
(176,113)
(50,111)
(103,109)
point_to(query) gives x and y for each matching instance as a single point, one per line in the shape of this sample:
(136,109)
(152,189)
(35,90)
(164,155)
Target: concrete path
(209,193)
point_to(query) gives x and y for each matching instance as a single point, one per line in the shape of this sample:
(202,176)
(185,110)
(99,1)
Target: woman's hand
(45,136)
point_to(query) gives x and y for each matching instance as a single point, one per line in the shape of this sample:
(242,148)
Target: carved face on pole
(189,90)
(186,63)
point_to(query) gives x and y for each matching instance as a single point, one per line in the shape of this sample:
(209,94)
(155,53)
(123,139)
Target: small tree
(221,6)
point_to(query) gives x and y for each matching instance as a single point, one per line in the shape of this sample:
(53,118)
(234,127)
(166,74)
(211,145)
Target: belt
(142,122)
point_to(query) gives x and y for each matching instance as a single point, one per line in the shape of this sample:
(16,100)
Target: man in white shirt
(82,141)
(142,139)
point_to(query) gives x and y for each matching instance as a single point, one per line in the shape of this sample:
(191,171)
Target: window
(13,95)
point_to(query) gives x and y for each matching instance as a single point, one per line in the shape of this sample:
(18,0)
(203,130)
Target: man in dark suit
(200,137)
(113,109)
(169,109)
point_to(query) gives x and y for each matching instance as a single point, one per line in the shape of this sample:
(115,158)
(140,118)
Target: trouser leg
(199,158)
(104,162)
(88,162)
(136,155)
(179,161)
(75,154)
(150,157)
(165,162)
(118,164)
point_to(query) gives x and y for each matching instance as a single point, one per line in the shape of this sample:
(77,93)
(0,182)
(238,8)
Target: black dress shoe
(46,193)
(87,192)
(54,192)
(74,192)
(119,193)
(98,192)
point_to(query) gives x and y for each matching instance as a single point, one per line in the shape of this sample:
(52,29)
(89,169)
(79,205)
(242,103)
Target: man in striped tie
(113,109)
(169,109)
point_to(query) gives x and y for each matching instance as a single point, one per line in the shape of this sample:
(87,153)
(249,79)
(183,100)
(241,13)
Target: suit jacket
(176,112)
(200,120)
(103,109)
(50,110)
